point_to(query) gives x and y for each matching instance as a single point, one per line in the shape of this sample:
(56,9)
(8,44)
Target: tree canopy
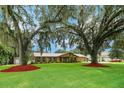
(92,26)
(88,27)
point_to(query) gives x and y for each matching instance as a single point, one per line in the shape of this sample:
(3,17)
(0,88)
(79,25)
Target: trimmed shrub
(6,55)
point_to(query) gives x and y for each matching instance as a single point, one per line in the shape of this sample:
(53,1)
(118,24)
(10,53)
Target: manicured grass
(65,75)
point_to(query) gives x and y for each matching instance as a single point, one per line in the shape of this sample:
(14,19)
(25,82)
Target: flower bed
(116,60)
(21,68)
(95,65)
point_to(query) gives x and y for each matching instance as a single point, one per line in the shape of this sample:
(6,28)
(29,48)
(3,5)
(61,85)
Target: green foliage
(5,54)
(61,51)
(80,50)
(117,49)
(116,53)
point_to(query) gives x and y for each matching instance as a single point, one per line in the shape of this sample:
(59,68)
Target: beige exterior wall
(81,59)
(58,60)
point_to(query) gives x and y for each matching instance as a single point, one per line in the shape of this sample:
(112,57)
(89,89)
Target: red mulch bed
(116,61)
(20,68)
(95,65)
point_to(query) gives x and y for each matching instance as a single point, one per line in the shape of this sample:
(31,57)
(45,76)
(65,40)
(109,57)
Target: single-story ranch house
(58,57)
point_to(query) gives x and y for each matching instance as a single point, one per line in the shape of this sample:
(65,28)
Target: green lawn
(66,75)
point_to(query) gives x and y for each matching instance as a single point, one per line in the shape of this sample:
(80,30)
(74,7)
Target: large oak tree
(92,26)
(25,22)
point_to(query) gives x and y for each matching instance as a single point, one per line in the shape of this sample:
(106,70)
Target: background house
(102,57)
(105,56)
(58,57)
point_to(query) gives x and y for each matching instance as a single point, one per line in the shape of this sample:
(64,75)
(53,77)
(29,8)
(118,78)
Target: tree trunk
(94,57)
(23,58)
(0,63)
